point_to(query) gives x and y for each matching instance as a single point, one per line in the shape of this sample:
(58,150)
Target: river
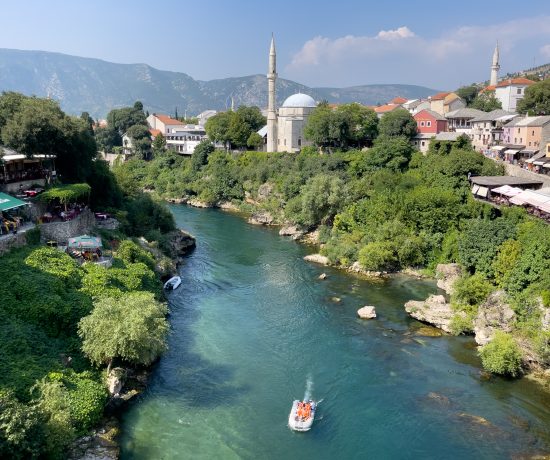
(252,326)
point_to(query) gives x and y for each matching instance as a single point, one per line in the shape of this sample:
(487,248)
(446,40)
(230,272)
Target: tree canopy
(536,100)
(397,123)
(486,101)
(233,129)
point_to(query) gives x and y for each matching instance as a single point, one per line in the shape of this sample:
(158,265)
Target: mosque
(285,130)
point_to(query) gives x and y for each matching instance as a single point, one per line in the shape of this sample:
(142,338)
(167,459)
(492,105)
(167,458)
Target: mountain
(96,86)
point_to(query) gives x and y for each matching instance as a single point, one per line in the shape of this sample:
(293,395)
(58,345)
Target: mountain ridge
(97,86)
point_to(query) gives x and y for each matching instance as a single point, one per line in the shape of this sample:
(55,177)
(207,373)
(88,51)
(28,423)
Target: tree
(141,140)
(159,144)
(486,101)
(393,153)
(468,93)
(107,138)
(317,128)
(217,127)
(88,120)
(362,124)
(132,328)
(255,141)
(397,123)
(200,154)
(10,103)
(121,119)
(501,355)
(536,100)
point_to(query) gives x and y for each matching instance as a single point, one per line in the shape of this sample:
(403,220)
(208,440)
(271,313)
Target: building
(526,138)
(459,121)
(204,116)
(443,103)
(19,172)
(386,108)
(416,105)
(510,91)
(180,137)
(488,129)
(284,130)
(429,124)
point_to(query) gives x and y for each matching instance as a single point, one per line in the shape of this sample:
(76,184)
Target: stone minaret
(495,68)
(271,112)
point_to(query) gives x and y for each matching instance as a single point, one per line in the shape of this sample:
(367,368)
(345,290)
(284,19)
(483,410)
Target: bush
(471,290)
(378,256)
(130,252)
(501,355)
(462,324)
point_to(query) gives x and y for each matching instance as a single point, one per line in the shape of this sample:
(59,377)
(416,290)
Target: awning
(482,191)
(536,156)
(506,190)
(539,162)
(498,148)
(531,198)
(546,165)
(10,202)
(85,242)
(511,152)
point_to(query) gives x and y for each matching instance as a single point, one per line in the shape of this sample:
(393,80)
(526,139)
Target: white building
(179,136)
(204,116)
(510,91)
(459,121)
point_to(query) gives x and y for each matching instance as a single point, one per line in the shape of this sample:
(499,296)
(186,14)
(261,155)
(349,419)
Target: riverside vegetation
(61,323)
(384,209)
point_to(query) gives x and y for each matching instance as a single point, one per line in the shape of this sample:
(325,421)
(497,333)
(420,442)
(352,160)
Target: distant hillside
(84,84)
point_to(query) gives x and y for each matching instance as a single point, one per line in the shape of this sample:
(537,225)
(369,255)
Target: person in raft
(304,410)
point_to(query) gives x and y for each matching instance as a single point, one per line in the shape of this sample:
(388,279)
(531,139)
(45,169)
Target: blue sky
(319,43)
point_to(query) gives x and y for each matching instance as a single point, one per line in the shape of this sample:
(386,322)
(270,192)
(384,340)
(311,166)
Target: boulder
(311,237)
(434,310)
(261,218)
(323,276)
(317,258)
(494,314)
(115,380)
(199,204)
(180,243)
(228,206)
(291,230)
(367,312)
(447,274)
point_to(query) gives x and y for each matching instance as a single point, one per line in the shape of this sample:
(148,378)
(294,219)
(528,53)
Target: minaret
(271,112)
(495,68)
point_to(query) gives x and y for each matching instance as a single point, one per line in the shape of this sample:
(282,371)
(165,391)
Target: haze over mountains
(96,86)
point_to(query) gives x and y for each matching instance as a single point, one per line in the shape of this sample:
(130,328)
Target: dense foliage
(501,355)
(537,99)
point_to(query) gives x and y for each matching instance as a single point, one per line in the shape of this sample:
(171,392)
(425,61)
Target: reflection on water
(252,322)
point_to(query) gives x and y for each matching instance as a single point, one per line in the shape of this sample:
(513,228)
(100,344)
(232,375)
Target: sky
(441,45)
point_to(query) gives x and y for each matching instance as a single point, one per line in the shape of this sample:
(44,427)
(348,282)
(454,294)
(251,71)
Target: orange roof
(398,100)
(154,132)
(386,108)
(488,88)
(439,96)
(515,81)
(168,120)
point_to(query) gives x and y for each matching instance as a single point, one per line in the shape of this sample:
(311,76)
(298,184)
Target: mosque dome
(299,100)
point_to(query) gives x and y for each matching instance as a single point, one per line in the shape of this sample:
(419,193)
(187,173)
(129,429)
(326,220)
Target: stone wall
(516,171)
(62,231)
(12,241)
(26,184)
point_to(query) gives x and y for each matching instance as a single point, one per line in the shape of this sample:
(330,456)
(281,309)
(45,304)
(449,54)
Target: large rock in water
(115,380)
(261,218)
(367,312)
(293,231)
(493,315)
(447,274)
(317,258)
(180,244)
(434,310)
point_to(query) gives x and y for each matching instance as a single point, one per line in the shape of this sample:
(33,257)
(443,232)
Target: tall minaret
(271,113)
(495,68)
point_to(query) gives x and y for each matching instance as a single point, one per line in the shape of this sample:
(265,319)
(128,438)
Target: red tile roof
(439,96)
(398,100)
(488,88)
(386,108)
(515,81)
(154,132)
(168,120)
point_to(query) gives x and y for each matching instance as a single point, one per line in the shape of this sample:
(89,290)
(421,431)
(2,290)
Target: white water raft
(301,423)
(172,283)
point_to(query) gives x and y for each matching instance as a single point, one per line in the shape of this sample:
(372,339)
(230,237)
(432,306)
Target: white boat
(172,283)
(301,415)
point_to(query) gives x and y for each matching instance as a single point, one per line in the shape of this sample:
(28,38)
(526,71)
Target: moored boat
(301,415)
(172,283)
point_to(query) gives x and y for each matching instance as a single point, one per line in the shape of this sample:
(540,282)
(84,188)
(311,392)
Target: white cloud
(397,34)
(402,51)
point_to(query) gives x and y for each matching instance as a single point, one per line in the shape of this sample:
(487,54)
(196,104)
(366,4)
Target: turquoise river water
(253,327)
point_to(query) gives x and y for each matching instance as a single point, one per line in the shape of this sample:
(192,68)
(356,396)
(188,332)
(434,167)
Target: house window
(285,141)
(533,133)
(529,144)
(519,90)
(421,123)
(428,123)
(299,142)
(516,140)
(423,143)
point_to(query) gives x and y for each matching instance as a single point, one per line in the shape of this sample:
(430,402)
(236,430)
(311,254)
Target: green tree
(486,101)
(159,144)
(132,328)
(10,102)
(107,138)
(501,355)
(121,119)
(393,153)
(397,123)
(318,127)
(255,141)
(362,124)
(141,140)
(468,93)
(217,127)
(200,154)
(536,100)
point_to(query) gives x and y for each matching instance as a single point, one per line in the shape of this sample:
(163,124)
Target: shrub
(471,290)
(461,324)
(377,256)
(501,355)
(130,252)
